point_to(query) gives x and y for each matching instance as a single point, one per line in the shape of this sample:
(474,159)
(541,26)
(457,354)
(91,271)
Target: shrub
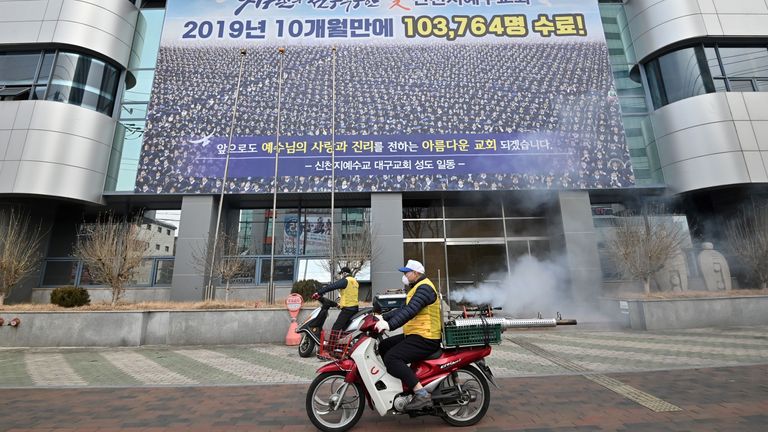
(70,296)
(306,288)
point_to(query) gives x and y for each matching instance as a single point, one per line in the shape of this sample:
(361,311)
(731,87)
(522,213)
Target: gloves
(315,296)
(381,326)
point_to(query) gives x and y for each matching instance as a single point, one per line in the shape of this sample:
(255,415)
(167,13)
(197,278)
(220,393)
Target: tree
(642,244)
(20,242)
(748,238)
(227,264)
(112,249)
(353,248)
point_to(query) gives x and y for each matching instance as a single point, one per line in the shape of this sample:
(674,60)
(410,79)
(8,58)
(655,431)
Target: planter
(136,328)
(663,314)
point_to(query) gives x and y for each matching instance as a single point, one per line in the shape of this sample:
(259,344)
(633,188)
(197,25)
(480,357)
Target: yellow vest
(427,323)
(349,294)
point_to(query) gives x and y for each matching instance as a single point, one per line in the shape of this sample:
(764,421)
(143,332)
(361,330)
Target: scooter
(457,378)
(312,333)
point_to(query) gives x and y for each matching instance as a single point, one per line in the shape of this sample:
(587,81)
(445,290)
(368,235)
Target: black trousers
(398,351)
(345,316)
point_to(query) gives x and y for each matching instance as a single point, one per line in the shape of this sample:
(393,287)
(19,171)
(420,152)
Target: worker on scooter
(422,332)
(348,290)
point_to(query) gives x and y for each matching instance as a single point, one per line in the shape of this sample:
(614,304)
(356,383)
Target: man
(348,288)
(422,332)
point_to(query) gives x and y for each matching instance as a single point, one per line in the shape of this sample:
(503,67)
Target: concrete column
(198,217)
(387,230)
(578,242)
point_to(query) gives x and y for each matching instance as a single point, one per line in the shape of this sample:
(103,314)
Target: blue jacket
(339,284)
(423,296)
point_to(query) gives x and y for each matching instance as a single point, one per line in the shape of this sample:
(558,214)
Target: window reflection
(83,81)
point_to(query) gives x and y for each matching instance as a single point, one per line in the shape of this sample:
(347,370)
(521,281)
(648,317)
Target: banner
(426,95)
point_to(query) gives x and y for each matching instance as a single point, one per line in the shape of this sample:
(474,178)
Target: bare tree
(112,248)
(353,248)
(642,244)
(748,238)
(227,264)
(20,253)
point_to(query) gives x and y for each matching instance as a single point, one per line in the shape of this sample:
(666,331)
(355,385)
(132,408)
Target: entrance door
(469,265)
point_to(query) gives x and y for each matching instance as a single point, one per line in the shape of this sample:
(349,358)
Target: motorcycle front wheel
(306,346)
(328,409)
(473,403)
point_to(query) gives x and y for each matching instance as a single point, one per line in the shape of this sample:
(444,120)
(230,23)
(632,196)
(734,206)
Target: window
(168,231)
(59,76)
(709,68)
(167,249)
(160,229)
(157,247)
(149,227)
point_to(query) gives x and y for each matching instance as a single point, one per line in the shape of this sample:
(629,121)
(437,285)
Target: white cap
(412,265)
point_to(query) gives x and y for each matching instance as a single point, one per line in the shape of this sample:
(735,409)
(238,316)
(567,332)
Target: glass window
(527,227)
(741,85)
(681,75)
(479,207)
(83,81)
(283,270)
(422,209)
(720,84)
(712,62)
(164,272)
(18,68)
(423,229)
(762,85)
(474,228)
(744,62)
(60,273)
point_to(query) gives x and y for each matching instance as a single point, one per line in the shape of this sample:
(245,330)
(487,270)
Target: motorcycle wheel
(322,394)
(306,346)
(474,401)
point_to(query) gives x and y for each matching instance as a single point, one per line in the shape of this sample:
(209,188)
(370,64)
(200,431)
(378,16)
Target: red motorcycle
(457,378)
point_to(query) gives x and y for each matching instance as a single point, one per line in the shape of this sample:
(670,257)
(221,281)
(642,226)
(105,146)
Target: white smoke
(531,287)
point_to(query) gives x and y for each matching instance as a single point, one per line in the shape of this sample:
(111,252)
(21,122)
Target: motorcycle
(312,333)
(457,378)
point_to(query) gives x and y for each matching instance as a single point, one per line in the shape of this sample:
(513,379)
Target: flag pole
(210,292)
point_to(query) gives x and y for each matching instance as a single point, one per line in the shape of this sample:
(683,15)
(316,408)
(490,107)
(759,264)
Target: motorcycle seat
(435,355)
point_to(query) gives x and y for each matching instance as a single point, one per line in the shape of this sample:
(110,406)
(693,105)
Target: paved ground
(691,380)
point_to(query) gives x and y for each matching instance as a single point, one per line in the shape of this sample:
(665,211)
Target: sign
(293,302)
(429,95)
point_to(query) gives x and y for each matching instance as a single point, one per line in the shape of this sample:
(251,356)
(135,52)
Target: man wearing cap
(422,332)
(348,288)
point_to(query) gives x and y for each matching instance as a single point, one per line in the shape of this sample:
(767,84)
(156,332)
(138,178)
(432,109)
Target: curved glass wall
(62,76)
(133,110)
(707,68)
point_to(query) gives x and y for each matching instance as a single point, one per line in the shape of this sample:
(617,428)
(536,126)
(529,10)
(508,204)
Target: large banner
(427,95)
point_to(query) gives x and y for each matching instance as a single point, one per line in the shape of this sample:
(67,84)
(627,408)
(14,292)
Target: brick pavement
(552,380)
(731,399)
(589,351)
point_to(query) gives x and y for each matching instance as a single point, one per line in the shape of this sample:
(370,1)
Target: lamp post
(210,291)
(271,286)
(333,161)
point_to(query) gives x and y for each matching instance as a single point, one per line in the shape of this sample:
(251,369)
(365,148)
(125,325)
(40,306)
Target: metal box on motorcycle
(388,301)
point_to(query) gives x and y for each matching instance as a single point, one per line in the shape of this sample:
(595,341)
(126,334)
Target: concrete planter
(663,314)
(162,327)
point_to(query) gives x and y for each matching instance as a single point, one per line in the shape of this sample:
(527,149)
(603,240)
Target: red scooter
(457,378)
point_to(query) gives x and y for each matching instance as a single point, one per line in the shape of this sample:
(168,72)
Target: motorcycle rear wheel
(473,405)
(323,392)
(306,346)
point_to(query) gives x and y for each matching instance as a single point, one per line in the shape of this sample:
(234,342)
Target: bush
(306,288)
(70,297)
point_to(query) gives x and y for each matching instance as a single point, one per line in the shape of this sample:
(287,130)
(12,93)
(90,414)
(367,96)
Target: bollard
(293,303)
(14,322)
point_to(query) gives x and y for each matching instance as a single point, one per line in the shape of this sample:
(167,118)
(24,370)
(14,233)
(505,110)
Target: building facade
(80,108)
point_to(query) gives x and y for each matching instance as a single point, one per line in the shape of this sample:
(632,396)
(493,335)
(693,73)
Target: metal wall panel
(713,140)
(656,24)
(707,171)
(105,27)
(54,149)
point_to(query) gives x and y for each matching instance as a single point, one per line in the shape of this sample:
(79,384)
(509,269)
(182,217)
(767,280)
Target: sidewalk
(527,353)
